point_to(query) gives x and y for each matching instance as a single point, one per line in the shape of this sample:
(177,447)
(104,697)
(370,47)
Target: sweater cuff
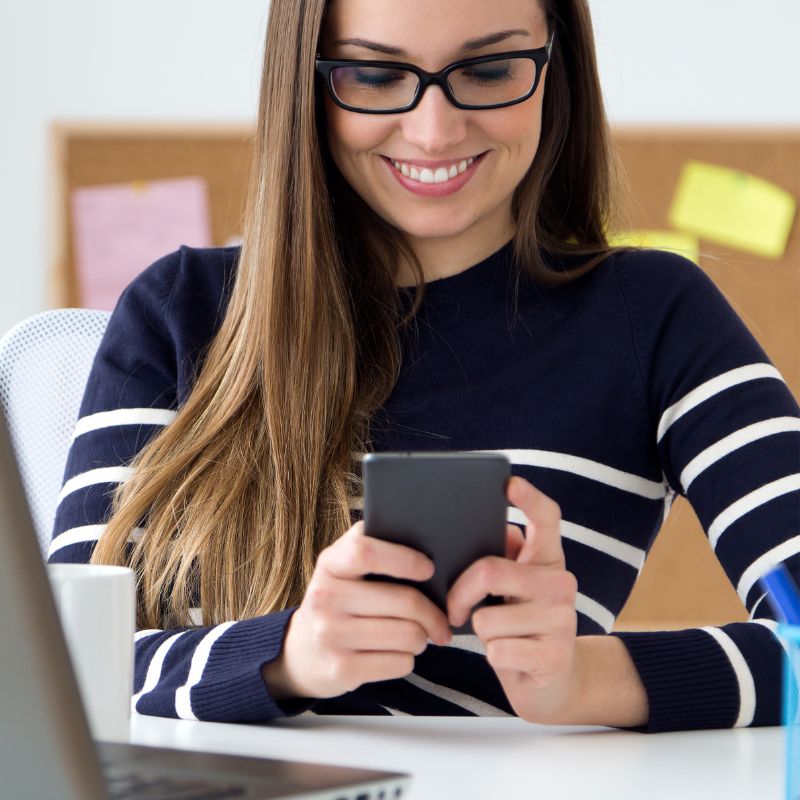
(232,689)
(689,680)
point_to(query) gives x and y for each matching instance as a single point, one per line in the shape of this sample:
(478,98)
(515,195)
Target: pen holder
(790,636)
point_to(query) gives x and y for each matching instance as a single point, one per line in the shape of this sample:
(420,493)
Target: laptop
(46,750)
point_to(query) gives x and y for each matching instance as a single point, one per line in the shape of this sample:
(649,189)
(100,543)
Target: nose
(435,125)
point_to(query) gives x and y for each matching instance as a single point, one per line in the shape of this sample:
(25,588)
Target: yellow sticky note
(683,244)
(733,208)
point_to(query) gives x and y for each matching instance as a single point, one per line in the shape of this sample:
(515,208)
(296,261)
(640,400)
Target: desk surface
(506,758)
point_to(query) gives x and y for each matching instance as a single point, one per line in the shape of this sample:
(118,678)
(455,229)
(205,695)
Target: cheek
(350,134)
(518,132)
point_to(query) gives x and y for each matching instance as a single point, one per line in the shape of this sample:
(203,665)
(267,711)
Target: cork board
(89,155)
(681,584)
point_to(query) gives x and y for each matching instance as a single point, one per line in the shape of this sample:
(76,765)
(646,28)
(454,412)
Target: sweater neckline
(473,282)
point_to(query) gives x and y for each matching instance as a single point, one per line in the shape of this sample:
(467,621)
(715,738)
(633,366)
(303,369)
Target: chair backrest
(44,363)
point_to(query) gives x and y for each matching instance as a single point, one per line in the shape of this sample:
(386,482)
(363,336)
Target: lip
(434,189)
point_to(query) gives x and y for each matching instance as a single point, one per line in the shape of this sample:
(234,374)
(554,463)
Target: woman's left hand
(530,638)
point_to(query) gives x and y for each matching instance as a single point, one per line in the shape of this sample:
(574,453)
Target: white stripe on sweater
(747,687)
(603,543)
(95,476)
(596,612)
(757,603)
(85,533)
(457,698)
(145,633)
(749,502)
(707,390)
(123,416)
(183,701)
(585,468)
(734,441)
(154,668)
(395,712)
(467,641)
(764,563)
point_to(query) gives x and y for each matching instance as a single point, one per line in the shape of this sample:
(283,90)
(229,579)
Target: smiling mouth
(429,174)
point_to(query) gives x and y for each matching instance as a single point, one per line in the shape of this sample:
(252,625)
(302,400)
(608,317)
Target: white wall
(678,62)
(708,62)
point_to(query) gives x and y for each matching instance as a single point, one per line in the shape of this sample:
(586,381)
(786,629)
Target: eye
(495,73)
(377,77)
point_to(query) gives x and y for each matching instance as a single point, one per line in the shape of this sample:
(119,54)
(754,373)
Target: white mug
(97,608)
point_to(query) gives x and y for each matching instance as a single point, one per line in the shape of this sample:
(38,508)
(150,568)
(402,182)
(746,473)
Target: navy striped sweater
(612,394)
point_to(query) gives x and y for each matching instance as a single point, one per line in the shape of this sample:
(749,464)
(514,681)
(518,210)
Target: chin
(430,226)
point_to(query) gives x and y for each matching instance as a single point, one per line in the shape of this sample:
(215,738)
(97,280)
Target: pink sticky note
(119,229)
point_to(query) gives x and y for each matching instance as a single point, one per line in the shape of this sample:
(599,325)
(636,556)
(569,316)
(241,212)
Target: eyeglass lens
(382,88)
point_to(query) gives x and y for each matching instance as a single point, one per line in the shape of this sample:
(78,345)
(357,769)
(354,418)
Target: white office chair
(44,363)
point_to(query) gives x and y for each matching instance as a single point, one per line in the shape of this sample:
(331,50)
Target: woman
(235,392)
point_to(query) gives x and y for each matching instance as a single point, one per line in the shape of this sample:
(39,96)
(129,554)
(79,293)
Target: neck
(442,257)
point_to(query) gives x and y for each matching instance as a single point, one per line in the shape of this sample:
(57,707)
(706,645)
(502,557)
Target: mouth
(433,172)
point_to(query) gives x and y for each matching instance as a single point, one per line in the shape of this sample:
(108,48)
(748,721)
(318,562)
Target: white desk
(504,759)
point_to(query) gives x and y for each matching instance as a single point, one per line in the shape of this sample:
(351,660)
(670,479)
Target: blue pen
(782,594)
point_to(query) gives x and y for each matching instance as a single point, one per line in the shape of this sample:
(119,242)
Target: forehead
(429,28)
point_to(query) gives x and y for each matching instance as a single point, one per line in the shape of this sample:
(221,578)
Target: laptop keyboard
(133,786)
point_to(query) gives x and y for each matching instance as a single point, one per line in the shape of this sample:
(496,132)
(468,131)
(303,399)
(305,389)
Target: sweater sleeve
(727,431)
(133,391)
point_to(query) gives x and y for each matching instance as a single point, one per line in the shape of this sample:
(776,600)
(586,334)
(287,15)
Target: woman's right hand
(349,631)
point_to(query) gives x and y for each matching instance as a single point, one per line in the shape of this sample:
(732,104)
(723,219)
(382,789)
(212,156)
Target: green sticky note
(684,244)
(733,208)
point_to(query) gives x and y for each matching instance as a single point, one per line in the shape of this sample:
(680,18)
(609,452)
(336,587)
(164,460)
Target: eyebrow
(469,45)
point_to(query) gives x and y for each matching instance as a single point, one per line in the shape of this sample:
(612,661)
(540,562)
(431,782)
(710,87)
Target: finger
(515,539)
(523,619)
(355,554)
(510,579)
(543,539)
(383,599)
(378,634)
(351,669)
(535,657)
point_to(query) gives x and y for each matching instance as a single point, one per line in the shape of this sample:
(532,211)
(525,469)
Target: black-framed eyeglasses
(388,87)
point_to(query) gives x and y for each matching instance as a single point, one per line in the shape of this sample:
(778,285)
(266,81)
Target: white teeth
(425,175)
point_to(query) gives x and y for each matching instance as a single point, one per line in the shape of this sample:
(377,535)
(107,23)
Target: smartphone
(451,506)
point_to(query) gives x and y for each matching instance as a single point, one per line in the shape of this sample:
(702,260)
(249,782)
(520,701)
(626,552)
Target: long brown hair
(255,475)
